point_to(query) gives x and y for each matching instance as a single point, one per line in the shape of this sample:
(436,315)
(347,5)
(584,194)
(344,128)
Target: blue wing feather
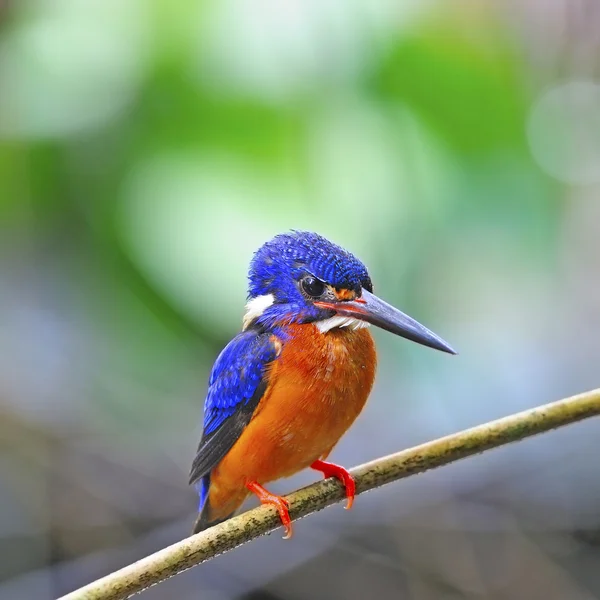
(235,387)
(235,376)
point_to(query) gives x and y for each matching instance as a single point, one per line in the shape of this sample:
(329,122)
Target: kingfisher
(290,384)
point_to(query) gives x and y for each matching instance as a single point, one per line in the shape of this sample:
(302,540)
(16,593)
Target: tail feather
(205,520)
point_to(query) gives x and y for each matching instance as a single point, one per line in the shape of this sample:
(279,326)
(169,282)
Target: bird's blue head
(300,277)
(295,268)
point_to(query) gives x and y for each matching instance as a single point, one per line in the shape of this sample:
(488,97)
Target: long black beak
(373,310)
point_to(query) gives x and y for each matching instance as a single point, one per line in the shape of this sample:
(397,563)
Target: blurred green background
(148,147)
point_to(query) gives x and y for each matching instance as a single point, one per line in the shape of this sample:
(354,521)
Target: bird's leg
(332,470)
(281,504)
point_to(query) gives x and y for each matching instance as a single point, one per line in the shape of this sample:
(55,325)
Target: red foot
(281,504)
(331,470)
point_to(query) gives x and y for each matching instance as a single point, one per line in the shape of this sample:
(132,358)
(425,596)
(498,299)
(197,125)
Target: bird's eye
(312,287)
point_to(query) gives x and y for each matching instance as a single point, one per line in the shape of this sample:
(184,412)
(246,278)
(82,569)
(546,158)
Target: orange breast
(316,389)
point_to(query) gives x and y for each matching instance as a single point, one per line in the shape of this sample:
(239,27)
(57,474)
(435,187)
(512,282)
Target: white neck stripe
(256,307)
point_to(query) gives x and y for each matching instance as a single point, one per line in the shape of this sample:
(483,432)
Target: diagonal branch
(259,521)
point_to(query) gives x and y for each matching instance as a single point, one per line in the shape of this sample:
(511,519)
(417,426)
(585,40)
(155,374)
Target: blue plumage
(202,487)
(279,263)
(235,376)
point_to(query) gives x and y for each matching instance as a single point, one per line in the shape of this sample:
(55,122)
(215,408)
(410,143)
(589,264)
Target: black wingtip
(205,522)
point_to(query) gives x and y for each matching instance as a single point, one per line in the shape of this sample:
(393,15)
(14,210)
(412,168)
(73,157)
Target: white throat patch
(256,307)
(333,322)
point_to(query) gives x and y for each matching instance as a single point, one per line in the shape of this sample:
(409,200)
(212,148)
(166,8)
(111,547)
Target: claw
(281,504)
(332,470)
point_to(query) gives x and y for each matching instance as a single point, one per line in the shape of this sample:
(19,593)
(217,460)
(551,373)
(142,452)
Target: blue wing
(236,385)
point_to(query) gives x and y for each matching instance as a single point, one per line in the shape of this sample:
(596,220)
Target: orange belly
(316,389)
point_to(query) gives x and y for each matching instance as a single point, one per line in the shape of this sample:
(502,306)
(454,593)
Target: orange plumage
(316,388)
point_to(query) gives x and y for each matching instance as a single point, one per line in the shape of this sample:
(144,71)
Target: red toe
(280,503)
(332,470)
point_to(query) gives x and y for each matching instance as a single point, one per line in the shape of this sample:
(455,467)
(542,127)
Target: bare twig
(233,533)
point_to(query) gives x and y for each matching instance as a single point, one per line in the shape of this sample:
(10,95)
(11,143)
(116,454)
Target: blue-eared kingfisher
(284,390)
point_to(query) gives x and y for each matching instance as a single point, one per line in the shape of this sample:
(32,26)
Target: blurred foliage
(148,147)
